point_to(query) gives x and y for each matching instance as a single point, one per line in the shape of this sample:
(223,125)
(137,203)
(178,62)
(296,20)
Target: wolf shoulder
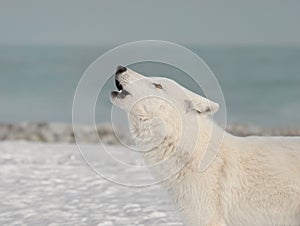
(274,143)
(271,155)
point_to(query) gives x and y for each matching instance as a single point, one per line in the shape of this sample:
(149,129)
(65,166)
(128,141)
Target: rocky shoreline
(60,132)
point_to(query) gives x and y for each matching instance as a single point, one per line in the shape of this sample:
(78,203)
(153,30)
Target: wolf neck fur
(161,146)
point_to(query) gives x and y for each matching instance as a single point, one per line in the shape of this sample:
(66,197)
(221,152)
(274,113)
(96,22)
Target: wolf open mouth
(121,93)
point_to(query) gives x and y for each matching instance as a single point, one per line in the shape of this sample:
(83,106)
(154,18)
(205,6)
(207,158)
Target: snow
(50,184)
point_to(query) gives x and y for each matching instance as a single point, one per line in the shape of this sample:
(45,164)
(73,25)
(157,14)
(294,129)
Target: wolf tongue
(118,85)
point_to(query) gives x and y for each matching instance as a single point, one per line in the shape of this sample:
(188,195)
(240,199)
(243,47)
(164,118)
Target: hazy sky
(115,22)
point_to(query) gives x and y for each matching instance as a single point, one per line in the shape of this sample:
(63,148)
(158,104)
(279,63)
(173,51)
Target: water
(261,85)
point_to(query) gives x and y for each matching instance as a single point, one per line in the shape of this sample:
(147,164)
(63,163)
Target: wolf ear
(201,105)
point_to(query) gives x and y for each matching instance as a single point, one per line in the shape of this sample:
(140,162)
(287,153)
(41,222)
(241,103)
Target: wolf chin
(251,181)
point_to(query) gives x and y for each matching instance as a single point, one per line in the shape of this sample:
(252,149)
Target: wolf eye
(158,86)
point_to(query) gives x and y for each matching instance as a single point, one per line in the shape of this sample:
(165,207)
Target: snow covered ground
(50,184)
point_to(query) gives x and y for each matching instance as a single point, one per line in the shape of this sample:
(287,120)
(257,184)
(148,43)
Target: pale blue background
(253,47)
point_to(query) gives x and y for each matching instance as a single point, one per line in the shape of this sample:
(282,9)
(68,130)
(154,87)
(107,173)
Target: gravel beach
(60,132)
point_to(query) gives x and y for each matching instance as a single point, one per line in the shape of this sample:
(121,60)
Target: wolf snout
(120,70)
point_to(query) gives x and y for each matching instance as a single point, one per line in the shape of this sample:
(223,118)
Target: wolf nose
(120,70)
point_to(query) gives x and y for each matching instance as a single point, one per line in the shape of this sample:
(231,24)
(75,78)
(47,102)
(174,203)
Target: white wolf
(251,181)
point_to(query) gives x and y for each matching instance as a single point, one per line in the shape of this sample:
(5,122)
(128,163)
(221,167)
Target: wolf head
(157,107)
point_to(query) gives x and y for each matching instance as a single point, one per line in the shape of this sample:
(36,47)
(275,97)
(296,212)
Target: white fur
(252,181)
